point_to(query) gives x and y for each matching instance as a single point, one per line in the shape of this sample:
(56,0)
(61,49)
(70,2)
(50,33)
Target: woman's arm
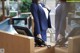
(34,11)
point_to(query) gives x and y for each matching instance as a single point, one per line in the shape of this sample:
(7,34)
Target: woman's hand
(39,36)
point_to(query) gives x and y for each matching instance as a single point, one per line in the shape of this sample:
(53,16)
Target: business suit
(41,23)
(60,19)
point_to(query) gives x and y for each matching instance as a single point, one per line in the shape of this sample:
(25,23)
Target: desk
(6,25)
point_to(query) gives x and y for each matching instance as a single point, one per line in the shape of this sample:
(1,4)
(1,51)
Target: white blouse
(45,10)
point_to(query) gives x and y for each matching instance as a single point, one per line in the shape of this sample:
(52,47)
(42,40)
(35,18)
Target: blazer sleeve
(34,12)
(64,13)
(63,17)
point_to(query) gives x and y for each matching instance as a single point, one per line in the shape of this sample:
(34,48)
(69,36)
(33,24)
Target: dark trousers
(43,35)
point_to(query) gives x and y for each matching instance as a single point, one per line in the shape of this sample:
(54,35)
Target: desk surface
(11,30)
(6,26)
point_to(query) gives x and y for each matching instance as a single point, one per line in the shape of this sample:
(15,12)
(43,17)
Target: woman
(60,21)
(41,19)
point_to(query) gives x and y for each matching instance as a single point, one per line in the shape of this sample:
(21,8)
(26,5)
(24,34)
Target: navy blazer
(40,20)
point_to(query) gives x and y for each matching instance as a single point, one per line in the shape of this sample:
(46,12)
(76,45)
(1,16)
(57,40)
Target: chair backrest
(23,30)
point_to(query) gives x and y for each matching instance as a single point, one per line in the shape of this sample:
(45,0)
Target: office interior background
(10,9)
